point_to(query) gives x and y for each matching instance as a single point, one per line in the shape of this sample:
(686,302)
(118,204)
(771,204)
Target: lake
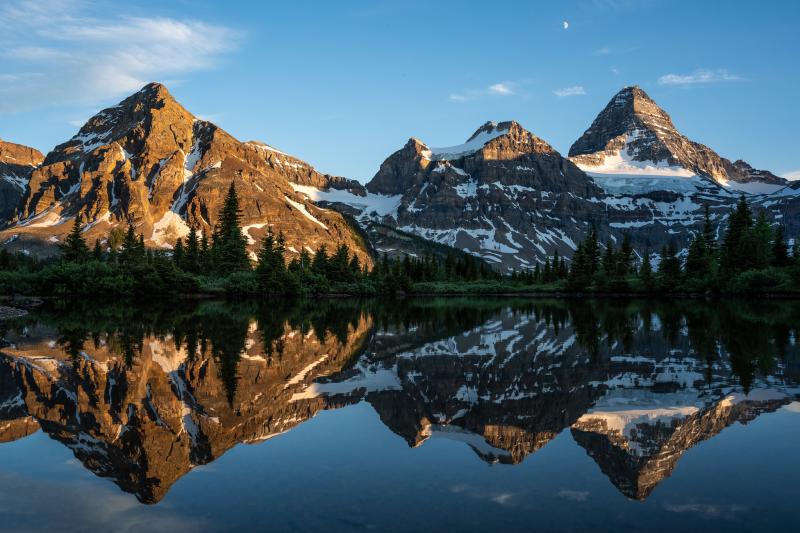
(468,414)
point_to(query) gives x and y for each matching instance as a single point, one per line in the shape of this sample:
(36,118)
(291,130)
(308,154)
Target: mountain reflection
(142,395)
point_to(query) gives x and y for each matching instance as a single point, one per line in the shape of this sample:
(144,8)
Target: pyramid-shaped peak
(152,95)
(634,99)
(492,129)
(135,108)
(631,111)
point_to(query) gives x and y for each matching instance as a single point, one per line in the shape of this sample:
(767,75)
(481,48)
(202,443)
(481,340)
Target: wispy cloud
(575,90)
(68,54)
(699,76)
(503,88)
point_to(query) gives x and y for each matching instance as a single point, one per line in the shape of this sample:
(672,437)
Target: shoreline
(9,311)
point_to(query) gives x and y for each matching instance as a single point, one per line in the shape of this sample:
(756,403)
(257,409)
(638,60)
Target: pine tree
(204,256)
(191,260)
(646,271)
(355,268)
(609,264)
(698,262)
(580,272)
(669,271)
(340,262)
(780,250)
(97,252)
(74,249)
(554,266)
(305,260)
(271,266)
(593,251)
(132,251)
(761,238)
(320,263)
(178,253)
(625,257)
(734,250)
(229,246)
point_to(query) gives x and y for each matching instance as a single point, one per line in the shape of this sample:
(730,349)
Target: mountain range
(505,194)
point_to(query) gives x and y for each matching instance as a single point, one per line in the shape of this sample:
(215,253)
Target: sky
(344,84)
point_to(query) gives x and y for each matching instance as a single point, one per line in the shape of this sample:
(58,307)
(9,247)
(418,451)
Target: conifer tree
(320,263)
(204,256)
(229,246)
(74,249)
(593,251)
(271,266)
(780,251)
(554,266)
(305,260)
(339,265)
(132,251)
(625,258)
(646,271)
(178,253)
(580,272)
(669,271)
(698,261)
(761,238)
(97,252)
(355,267)
(191,260)
(735,257)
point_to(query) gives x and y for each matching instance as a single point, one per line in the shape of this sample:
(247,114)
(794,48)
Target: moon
(566,24)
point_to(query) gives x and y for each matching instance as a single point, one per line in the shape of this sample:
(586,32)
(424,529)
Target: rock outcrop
(634,134)
(508,197)
(17,162)
(505,195)
(149,162)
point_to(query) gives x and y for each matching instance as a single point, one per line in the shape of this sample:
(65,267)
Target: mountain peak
(630,112)
(492,129)
(633,135)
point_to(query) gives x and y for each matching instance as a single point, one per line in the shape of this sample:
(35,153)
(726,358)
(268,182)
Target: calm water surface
(418,415)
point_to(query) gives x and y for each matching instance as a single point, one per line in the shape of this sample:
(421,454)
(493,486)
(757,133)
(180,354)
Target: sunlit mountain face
(142,396)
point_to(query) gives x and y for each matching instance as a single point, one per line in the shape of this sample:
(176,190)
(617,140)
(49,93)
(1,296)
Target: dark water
(418,415)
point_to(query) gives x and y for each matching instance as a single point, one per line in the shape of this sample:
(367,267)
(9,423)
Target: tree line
(752,256)
(121,263)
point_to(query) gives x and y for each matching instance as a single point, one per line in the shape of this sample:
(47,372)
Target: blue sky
(343,84)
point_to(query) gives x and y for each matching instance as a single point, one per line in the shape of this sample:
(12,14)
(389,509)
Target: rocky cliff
(504,195)
(17,162)
(507,196)
(634,136)
(150,162)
